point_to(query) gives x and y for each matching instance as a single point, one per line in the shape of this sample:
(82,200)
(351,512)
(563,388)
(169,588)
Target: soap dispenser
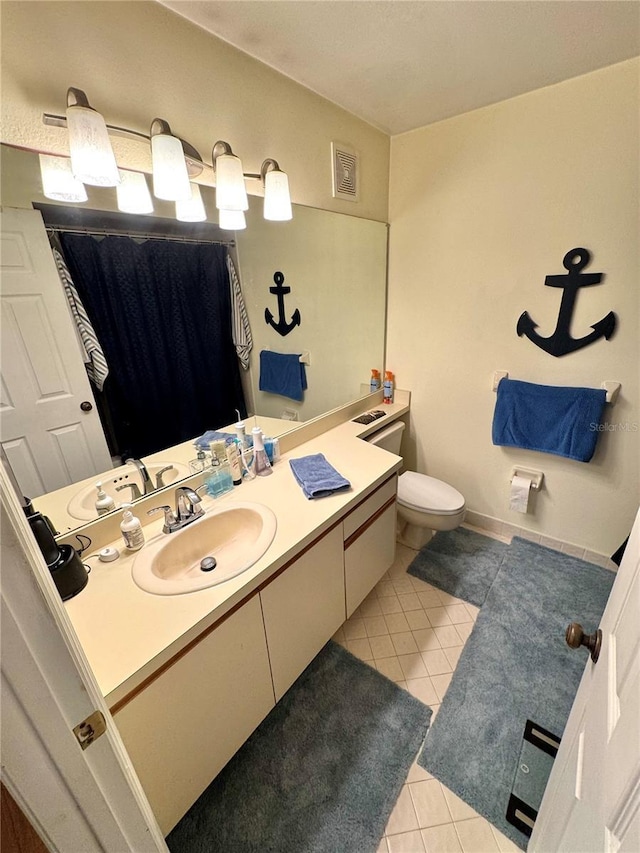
(104,502)
(131,529)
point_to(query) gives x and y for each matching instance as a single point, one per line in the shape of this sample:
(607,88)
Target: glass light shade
(133,193)
(277,201)
(230,189)
(170,176)
(192,210)
(232,220)
(58,182)
(92,158)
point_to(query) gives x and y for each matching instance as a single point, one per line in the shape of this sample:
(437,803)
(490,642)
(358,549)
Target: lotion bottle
(104,503)
(131,529)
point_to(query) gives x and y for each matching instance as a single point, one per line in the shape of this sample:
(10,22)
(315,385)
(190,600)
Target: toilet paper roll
(520,488)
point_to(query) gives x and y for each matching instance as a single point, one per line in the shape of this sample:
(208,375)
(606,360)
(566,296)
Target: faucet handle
(169,517)
(160,484)
(135,491)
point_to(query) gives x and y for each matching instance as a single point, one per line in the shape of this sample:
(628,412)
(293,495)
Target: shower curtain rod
(110,232)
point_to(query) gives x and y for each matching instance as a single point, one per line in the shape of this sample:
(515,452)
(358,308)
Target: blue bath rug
(515,666)
(460,562)
(320,774)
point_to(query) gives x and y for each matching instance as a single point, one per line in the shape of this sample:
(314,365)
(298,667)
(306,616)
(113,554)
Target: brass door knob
(576,637)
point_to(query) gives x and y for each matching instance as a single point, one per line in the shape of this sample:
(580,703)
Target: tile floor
(414,634)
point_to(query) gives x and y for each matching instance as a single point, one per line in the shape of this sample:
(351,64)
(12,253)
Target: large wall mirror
(335,266)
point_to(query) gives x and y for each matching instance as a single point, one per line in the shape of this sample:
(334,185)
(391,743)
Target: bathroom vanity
(189,677)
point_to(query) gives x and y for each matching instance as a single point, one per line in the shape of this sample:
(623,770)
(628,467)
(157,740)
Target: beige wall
(482,208)
(138,60)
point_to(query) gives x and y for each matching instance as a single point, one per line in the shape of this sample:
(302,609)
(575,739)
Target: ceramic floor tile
(417,619)
(403,585)
(404,643)
(371,608)
(453,655)
(339,637)
(409,601)
(505,845)
(447,598)
(413,665)
(476,836)
(390,604)
(441,683)
(406,842)
(426,639)
(437,616)
(391,668)
(458,808)
(441,839)
(396,623)
(437,662)
(382,847)
(375,626)
(382,647)
(429,598)
(473,610)
(403,817)
(360,648)
(448,636)
(457,613)
(354,629)
(464,630)
(418,773)
(385,587)
(430,805)
(423,689)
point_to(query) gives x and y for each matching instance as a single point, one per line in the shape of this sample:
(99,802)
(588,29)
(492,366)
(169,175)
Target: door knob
(86,406)
(576,637)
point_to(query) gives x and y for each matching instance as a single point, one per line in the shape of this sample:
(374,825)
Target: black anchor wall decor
(561,342)
(282,327)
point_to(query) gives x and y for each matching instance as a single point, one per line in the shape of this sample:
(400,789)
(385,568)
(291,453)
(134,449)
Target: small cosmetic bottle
(261,464)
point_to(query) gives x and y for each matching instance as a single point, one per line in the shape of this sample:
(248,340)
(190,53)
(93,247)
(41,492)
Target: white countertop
(127,633)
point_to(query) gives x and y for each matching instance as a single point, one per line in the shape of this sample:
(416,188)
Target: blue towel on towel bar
(212,435)
(283,374)
(317,477)
(547,418)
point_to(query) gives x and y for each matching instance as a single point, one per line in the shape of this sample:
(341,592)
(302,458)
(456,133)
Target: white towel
(241,333)
(97,366)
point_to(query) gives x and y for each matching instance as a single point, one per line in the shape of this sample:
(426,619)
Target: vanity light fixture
(133,193)
(193,209)
(277,199)
(170,175)
(92,158)
(231,193)
(58,182)
(232,220)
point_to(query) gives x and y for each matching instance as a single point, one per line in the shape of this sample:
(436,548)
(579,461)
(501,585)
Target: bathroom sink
(82,504)
(235,536)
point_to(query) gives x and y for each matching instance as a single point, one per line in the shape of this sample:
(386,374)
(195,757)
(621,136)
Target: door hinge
(90,729)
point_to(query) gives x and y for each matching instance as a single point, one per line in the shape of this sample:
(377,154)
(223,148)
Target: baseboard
(507,530)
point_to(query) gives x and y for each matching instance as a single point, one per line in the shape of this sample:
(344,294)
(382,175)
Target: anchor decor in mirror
(281,326)
(561,342)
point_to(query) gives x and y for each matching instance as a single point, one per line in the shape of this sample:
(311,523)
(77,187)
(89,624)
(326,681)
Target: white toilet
(425,504)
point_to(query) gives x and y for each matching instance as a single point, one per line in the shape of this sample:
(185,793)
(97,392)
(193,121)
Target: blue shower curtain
(162,313)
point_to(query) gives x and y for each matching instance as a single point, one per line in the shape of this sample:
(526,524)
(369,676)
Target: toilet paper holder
(536,477)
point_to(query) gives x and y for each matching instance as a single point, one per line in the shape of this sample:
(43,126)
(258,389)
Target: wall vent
(346,182)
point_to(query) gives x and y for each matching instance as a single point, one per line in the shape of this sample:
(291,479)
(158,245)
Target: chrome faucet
(147,485)
(187,509)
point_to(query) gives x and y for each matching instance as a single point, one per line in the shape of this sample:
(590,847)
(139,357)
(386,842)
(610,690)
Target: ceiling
(402,64)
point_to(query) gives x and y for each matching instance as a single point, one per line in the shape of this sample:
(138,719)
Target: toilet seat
(426,494)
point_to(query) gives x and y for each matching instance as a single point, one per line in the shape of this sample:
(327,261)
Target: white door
(49,440)
(592,801)
(91,800)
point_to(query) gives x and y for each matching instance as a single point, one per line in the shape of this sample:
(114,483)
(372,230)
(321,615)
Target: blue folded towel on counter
(212,435)
(317,477)
(548,418)
(282,374)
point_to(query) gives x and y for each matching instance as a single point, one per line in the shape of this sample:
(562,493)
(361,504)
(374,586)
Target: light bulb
(277,201)
(193,209)
(230,189)
(170,176)
(232,220)
(58,182)
(92,158)
(133,193)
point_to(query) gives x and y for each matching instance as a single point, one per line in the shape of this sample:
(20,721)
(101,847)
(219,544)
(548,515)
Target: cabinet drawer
(303,607)
(368,557)
(357,517)
(182,728)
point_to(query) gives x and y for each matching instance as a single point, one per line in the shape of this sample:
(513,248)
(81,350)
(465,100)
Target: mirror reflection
(333,272)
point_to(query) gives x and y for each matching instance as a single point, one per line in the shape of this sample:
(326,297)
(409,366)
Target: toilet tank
(388,438)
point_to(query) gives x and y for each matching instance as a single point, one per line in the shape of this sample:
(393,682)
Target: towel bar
(305,356)
(612,388)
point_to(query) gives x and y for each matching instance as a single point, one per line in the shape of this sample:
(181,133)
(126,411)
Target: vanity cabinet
(182,727)
(369,543)
(303,607)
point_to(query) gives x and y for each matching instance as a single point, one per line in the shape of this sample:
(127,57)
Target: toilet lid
(420,492)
